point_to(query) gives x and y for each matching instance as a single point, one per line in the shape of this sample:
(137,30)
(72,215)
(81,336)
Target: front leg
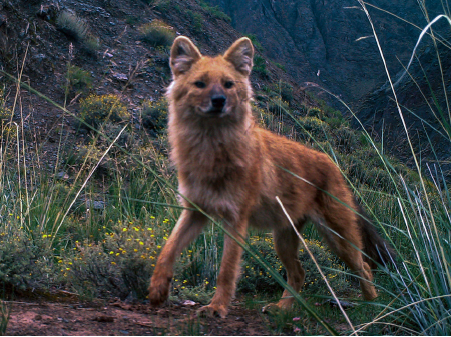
(228,273)
(188,227)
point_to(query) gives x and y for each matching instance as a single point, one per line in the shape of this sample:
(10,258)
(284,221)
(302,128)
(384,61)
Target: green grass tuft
(157,33)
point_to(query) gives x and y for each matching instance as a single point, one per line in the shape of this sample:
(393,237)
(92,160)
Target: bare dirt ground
(121,319)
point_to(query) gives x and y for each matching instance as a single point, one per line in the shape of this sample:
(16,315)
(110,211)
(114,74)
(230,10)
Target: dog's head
(210,87)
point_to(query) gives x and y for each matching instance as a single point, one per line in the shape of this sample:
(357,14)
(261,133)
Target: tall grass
(5,312)
(422,278)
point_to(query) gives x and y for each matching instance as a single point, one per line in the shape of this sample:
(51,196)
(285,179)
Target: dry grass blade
(87,179)
(5,312)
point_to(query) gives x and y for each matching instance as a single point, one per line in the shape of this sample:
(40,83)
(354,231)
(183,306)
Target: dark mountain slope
(332,38)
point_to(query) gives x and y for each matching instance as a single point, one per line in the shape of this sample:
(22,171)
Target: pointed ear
(183,54)
(241,55)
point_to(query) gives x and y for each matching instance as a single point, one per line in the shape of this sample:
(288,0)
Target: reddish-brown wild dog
(231,168)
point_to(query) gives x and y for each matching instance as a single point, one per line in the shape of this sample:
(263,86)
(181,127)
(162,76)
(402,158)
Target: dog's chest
(215,182)
(218,192)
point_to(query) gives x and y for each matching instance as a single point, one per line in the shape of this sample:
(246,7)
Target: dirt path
(120,319)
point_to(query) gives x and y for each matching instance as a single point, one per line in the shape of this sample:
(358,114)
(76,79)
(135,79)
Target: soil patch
(122,319)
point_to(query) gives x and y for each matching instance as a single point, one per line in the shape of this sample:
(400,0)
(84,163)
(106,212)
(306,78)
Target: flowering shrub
(120,264)
(24,262)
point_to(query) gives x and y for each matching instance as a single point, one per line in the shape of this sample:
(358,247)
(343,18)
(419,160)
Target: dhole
(231,168)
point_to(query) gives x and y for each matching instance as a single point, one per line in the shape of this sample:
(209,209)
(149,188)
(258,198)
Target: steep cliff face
(331,41)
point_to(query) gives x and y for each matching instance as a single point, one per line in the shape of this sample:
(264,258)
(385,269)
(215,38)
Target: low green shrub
(161,5)
(256,278)
(5,314)
(126,140)
(315,126)
(200,294)
(196,19)
(157,33)
(285,90)
(199,264)
(5,112)
(346,140)
(91,44)
(277,106)
(255,42)
(24,261)
(214,11)
(154,116)
(315,112)
(260,66)
(335,122)
(79,81)
(95,110)
(280,66)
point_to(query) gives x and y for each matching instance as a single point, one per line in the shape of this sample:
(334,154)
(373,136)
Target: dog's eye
(228,84)
(199,84)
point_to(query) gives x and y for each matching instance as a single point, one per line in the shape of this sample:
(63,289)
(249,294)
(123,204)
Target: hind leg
(286,243)
(348,246)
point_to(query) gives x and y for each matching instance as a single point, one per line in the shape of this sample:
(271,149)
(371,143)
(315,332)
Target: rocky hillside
(104,53)
(330,41)
(326,42)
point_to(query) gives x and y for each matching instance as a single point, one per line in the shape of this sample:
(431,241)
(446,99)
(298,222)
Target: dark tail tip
(378,251)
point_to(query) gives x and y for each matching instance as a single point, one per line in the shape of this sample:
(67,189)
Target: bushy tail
(376,248)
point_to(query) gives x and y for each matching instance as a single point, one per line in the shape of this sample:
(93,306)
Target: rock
(379,113)
(344,304)
(62,175)
(47,12)
(188,302)
(95,204)
(120,77)
(104,319)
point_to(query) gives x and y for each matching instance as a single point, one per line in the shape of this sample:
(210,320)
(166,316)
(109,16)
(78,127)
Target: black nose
(218,101)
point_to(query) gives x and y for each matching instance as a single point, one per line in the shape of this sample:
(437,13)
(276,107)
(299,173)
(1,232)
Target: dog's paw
(270,308)
(159,291)
(273,308)
(213,310)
